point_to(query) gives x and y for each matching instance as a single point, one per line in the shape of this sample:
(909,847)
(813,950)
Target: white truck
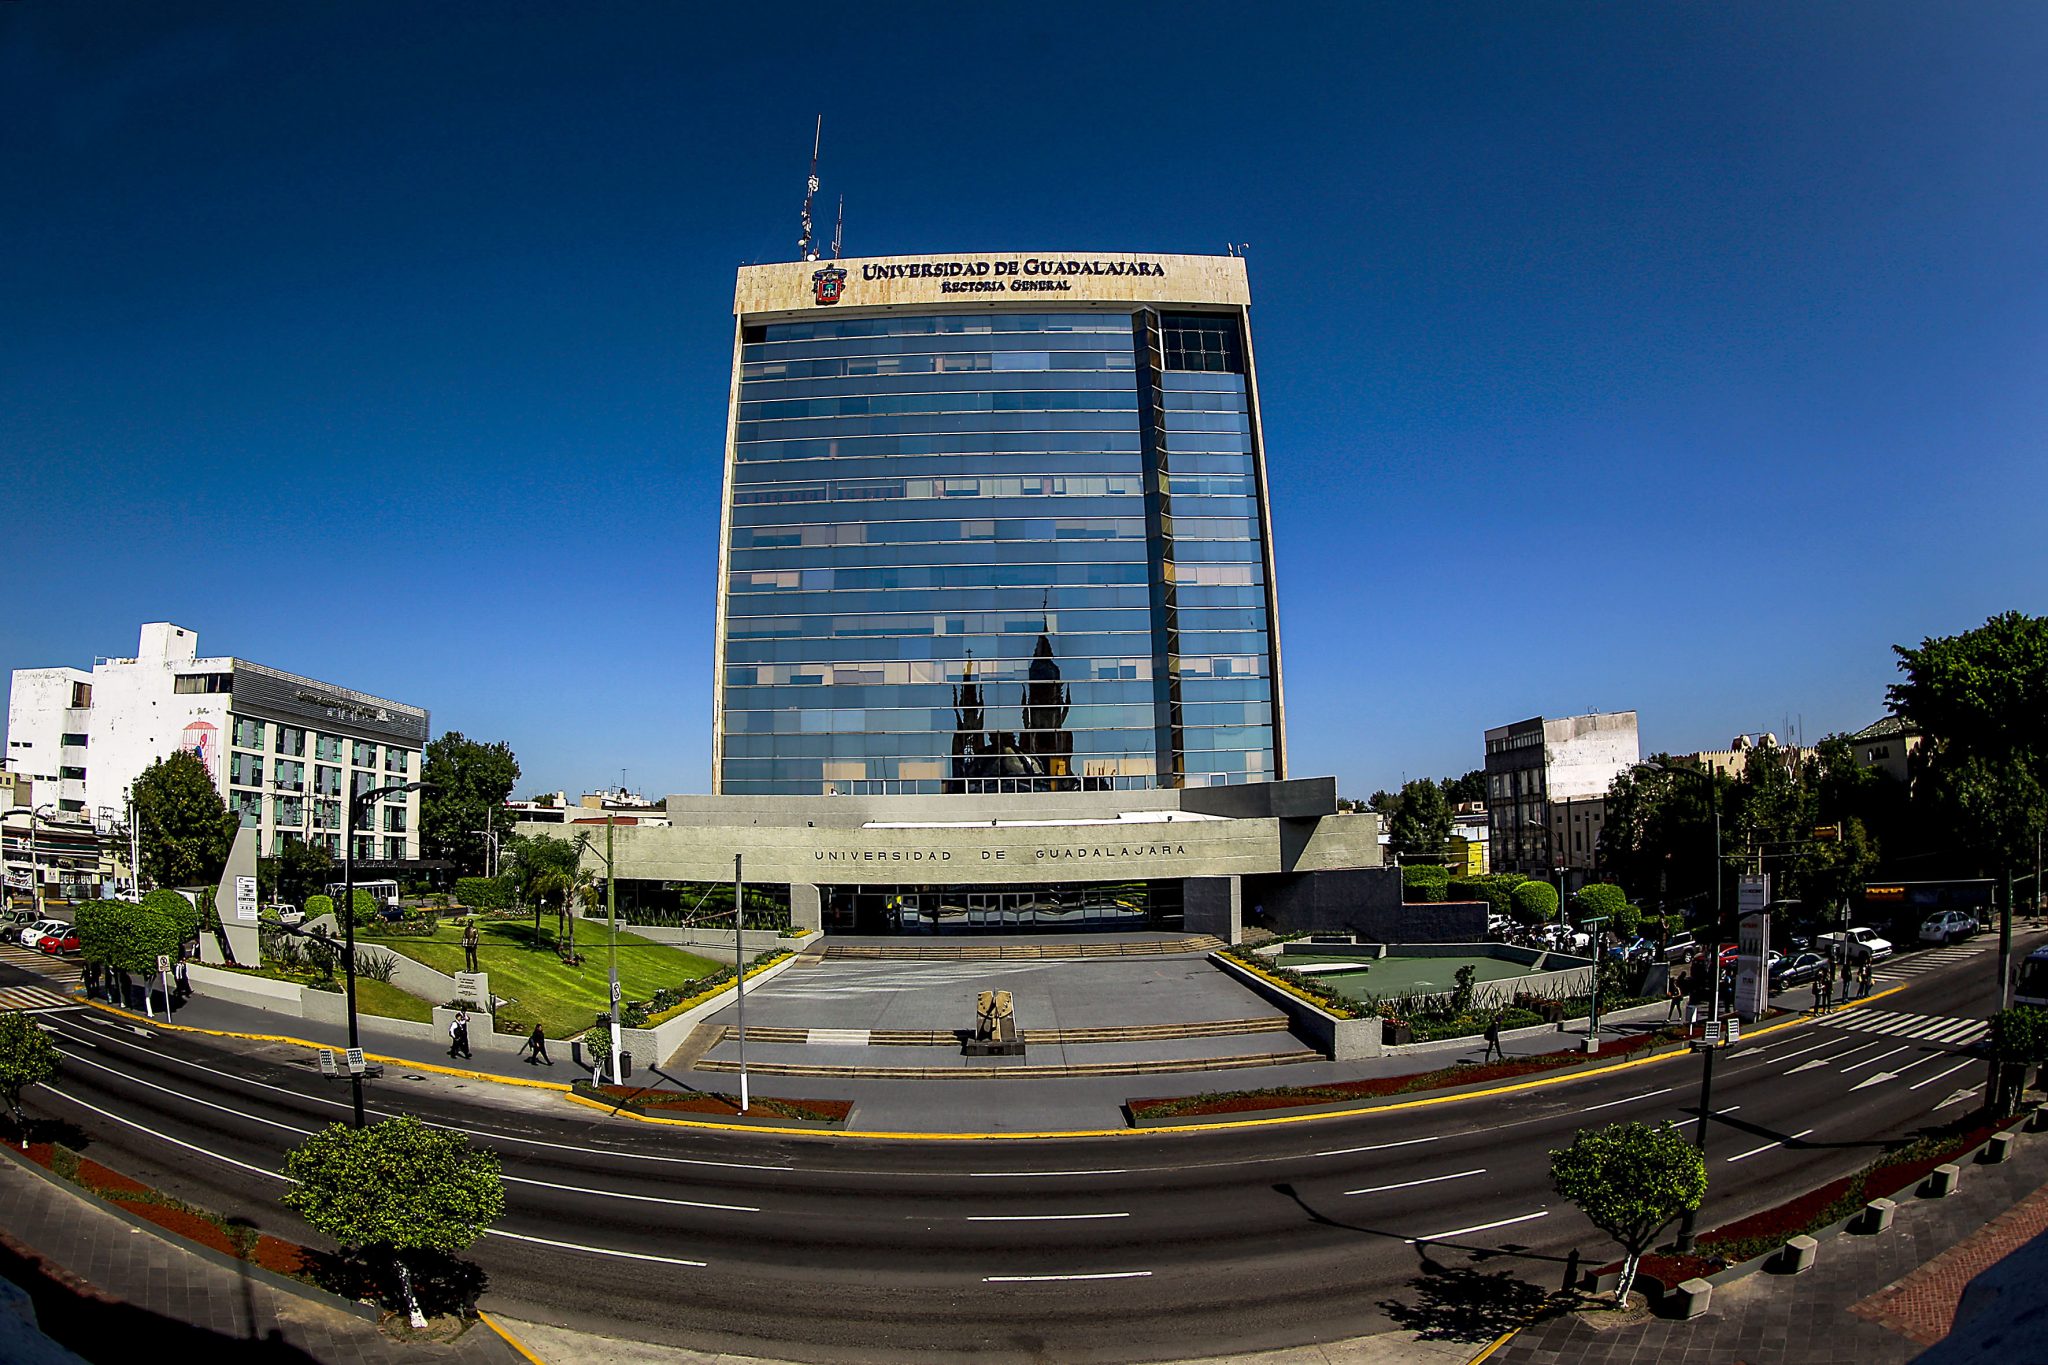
(1862,945)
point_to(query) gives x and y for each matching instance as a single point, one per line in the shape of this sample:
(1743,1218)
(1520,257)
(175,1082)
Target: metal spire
(803,243)
(839,228)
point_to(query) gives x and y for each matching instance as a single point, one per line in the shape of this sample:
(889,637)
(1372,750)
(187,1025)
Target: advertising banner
(1752,976)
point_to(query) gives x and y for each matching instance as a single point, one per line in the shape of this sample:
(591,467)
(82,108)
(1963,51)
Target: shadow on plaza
(1463,1302)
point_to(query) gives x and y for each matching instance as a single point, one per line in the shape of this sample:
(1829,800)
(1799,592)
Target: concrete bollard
(2037,1122)
(1998,1149)
(1797,1257)
(1691,1299)
(1877,1216)
(1942,1181)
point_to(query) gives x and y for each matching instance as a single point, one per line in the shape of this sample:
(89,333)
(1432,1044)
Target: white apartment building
(1546,788)
(282,748)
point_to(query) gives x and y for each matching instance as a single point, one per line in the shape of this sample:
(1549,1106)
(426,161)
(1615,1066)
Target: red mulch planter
(183,1222)
(108,1182)
(725,1106)
(1296,1096)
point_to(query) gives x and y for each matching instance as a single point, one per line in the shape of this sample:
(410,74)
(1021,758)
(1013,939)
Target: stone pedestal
(1797,1257)
(1877,1216)
(1691,1299)
(1942,1181)
(1999,1148)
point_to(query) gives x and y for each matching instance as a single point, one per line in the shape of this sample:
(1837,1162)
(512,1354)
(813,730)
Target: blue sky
(1674,357)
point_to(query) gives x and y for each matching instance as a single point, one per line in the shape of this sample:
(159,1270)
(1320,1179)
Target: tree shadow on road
(1461,1303)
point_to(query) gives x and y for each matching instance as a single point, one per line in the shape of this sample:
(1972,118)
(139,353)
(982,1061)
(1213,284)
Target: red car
(53,944)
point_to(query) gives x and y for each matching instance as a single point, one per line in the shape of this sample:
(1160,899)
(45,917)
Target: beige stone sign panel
(1028,277)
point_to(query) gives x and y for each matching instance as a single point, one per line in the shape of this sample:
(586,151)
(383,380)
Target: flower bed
(175,1216)
(1294,983)
(715,984)
(725,1106)
(1297,1096)
(1761,1233)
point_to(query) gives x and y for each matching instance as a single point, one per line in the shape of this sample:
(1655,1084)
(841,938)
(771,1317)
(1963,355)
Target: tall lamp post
(348,918)
(611,917)
(1687,1224)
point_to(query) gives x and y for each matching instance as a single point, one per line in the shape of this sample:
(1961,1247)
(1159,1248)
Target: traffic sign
(163,964)
(616,993)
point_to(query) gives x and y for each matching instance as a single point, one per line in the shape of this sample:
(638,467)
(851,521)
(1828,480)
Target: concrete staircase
(1131,1033)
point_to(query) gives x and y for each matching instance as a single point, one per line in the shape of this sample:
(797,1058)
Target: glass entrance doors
(1071,908)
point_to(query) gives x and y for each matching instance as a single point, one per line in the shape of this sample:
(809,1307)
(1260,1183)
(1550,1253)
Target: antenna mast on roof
(803,243)
(839,228)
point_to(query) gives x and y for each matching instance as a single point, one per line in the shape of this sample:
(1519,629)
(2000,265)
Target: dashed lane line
(1744,1156)
(1477,1227)
(1426,1180)
(1045,1279)
(1040,1217)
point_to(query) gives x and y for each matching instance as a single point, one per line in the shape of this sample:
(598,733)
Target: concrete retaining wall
(652,1047)
(1339,1039)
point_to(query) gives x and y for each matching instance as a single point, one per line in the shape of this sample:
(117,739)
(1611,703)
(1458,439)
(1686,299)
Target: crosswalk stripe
(1928,1028)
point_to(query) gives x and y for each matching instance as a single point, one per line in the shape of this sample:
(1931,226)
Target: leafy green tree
(1658,840)
(1470,787)
(184,828)
(2019,1039)
(318,904)
(1535,902)
(1981,701)
(27,1057)
(174,908)
(127,936)
(482,893)
(1421,825)
(471,781)
(394,1190)
(297,872)
(1631,1181)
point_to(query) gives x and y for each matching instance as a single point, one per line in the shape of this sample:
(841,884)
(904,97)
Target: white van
(1863,945)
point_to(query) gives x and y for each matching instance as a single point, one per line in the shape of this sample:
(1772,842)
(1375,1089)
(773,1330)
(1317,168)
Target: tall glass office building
(995,524)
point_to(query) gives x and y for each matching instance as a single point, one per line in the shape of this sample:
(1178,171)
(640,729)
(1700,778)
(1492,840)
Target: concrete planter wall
(711,943)
(652,1047)
(1340,1040)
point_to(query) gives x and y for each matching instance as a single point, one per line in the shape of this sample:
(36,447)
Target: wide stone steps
(1121,1033)
(1018,952)
(999,1069)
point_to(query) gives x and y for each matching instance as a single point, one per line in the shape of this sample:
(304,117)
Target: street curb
(1503,1339)
(1275,1120)
(514,1342)
(283,1283)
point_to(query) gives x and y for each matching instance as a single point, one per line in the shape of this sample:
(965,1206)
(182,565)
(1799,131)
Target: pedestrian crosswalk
(65,972)
(1930,960)
(1926,1028)
(15,998)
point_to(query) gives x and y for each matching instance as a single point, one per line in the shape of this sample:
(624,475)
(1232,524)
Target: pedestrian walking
(537,1048)
(1863,981)
(458,1033)
(1494,1052)
(184,981)
(471,940)
(1674,992)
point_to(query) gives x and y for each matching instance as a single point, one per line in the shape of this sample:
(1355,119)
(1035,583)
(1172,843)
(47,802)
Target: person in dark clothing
(537,1048)
(1863,979)
(1493,1047)
(458,1033)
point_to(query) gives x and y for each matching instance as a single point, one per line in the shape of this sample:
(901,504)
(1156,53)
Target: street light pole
(348,923)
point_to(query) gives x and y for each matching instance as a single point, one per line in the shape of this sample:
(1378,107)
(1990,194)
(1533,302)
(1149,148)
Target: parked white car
(33,935)
(1948,926)
(1863,945)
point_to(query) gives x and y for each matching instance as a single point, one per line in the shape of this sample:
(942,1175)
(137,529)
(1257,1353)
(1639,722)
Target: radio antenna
(803,243)
(839,228)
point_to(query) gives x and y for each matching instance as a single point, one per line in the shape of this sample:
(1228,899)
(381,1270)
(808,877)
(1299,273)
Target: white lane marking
(1954,1033)
(166,1137)
(1873,1061)
(194,1099)
(278,1175)
(1696,1118)
(638,1198)
(1426,1180)
(1377,1146)
(1041,1279)
(1959,1096)
(595,1251)
(1646,1095)
(1478,1227)
(1845,1056)
(1039,1217)
(1790,1055)
(1938,1075)
(1876,1078)
(1741,1156)
(1024,1175)
(445,1127)
(1807,1066)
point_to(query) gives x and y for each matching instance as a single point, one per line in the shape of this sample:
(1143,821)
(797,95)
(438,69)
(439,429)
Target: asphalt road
(1145,1247)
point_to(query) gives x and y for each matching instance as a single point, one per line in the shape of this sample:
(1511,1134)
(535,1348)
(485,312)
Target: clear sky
(1675,357)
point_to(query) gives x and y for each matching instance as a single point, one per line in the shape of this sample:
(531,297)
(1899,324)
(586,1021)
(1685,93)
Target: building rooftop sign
(1036,277)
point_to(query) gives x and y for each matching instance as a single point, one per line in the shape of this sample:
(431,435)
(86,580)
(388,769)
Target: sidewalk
(1869,1300)
(110,1290)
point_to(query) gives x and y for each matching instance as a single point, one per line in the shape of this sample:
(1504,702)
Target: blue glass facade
(996,551)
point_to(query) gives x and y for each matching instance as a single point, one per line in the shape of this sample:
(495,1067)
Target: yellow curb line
(1503,1339)
(325,1047)
(1220,1125)
(516,1344)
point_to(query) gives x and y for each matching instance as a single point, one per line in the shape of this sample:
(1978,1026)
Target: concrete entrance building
(997,638)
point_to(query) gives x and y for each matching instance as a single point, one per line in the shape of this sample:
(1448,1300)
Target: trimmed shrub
(173,907)
(1499,898)
(318,905)
(482,893)
(1535,902)
(1600,898)
(1424,881)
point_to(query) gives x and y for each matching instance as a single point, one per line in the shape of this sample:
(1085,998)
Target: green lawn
(375,997)
(526,968)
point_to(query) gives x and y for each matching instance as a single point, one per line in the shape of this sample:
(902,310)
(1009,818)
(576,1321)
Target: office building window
(365,755)
(248,733)
(291,741)
(394,850)
(327,748)
(394,819)
(397,760)
(246,770)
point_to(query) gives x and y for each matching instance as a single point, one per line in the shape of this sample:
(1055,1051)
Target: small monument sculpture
(995,1027)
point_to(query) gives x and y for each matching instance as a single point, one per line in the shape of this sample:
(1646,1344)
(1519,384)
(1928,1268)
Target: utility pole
(739,969)
(2005,945)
